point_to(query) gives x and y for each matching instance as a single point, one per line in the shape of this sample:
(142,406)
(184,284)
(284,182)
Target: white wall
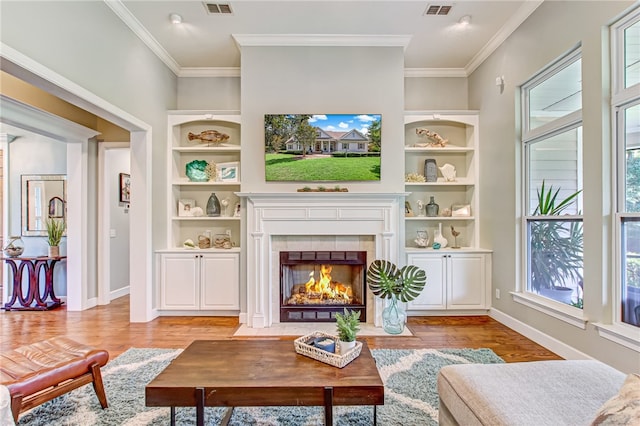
(117,161)
(552,30)
(33,154)
(298,80)
(86,43)
(435,93)
(209,93)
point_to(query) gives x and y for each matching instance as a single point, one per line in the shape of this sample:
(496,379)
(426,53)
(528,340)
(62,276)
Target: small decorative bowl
(13,251)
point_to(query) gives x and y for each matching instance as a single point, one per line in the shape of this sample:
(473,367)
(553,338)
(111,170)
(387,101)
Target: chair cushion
(32,368)
(527,393)
(623,408)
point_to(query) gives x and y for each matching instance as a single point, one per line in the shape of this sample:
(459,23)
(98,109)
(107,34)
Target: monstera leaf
(386,280)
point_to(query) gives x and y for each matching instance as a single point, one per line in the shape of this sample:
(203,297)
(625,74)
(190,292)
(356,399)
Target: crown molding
(138,29)
(434,72)
(209,72)
(339,40)
(527,8)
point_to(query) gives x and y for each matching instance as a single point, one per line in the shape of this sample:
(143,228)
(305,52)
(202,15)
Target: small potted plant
(348,324)
(55,231)
(388,281)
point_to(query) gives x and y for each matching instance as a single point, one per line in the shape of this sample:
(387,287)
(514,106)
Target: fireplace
(315,285)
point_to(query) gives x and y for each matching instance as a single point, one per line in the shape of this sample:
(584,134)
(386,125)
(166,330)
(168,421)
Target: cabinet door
(179,281)
(433,294)
(220,281)
(467,283)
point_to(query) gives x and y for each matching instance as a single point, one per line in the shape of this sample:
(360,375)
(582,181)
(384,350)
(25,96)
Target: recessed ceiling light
(465,20)
(175,18)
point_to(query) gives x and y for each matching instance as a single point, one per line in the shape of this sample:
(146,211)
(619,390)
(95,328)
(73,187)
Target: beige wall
(552,30)
(31,95)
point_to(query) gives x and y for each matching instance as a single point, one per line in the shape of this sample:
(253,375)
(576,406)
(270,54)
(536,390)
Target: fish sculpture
(209,137)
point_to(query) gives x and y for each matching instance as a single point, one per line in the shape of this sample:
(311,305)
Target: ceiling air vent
(441,10)
(218,8)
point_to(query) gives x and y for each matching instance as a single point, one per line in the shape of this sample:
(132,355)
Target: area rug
(409,377)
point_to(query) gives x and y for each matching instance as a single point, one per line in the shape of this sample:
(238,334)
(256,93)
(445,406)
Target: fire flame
(325,287)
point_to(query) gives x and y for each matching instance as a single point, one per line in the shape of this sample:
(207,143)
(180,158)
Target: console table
(34,300)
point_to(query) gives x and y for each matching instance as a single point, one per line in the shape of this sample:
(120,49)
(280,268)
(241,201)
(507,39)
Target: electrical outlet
(497,293)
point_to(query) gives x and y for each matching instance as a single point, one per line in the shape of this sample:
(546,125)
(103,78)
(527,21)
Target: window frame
(612,328)
(529,137)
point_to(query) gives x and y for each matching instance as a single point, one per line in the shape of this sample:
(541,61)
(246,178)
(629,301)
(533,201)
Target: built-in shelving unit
(458,280)
(201,281)
(460,128)
(182,151)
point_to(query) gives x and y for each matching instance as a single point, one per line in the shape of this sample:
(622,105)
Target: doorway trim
(140,277)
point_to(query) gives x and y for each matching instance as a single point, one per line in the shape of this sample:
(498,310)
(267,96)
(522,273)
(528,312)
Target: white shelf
(442,182)
(203,218)
(440,150)
(187,182)
(439,218)
(209,149)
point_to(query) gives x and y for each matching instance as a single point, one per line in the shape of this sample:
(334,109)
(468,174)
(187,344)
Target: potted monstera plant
(556,247)
(404,284)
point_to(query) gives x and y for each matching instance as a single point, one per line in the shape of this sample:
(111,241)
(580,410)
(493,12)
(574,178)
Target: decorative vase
(346,346)
(393,317)
(54,251)
(438,238)
(430,170)
(213,206)
(432,208)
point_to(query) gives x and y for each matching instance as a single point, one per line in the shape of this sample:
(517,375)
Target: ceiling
(204,43)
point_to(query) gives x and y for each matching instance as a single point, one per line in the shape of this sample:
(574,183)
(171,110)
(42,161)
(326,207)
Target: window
(552,164)
(625,38)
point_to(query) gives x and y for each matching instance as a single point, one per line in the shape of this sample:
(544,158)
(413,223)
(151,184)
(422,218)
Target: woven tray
(335,359)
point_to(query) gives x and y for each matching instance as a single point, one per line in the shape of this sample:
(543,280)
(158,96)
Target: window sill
(619,334)
(566,313)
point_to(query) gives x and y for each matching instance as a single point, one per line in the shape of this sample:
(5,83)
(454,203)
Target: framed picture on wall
(125,188)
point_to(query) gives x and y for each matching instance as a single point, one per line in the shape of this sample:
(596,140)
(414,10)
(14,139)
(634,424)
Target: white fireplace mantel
(313,214)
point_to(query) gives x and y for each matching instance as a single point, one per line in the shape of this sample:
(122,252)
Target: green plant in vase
(404,284)
(55,232)
(348,325)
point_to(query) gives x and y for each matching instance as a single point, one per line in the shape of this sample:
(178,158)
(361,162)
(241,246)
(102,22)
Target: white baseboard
(551,343)
(91,303)
(119,293)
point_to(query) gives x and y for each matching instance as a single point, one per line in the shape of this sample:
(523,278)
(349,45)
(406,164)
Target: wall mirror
(43,197)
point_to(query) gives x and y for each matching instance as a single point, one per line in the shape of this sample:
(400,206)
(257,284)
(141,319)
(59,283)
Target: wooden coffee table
(259,373)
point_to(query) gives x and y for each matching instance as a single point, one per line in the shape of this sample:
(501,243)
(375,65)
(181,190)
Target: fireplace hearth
(315,285)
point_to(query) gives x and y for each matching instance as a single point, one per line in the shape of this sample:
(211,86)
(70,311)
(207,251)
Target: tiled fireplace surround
(314,221)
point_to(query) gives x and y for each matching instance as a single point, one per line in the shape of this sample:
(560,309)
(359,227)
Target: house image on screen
(327,142)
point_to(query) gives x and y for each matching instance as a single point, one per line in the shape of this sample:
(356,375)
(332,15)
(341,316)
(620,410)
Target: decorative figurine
(455,237)
(209,137)
(420,205)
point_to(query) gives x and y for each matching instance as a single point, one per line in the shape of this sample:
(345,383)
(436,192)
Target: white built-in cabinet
(199,281)
(457,279)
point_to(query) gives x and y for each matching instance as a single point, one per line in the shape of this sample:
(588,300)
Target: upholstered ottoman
(36,373)
(526,393)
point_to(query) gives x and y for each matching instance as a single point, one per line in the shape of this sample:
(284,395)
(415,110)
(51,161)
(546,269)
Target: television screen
(322,147)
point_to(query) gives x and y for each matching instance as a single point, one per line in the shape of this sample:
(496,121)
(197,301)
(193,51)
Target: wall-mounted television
(322,147)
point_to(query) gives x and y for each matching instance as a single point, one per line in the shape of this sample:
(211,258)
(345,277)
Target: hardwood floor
(108,327)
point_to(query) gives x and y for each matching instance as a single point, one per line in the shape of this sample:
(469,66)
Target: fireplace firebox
(315,285)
